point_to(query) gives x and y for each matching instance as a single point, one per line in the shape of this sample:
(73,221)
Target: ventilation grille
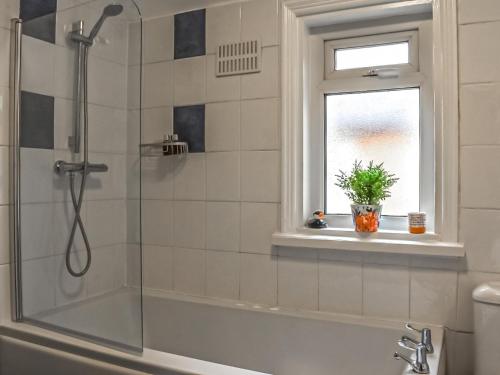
(238,58)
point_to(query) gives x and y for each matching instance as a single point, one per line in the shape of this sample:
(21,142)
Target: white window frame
(413,74)
(298,114)
(366,41)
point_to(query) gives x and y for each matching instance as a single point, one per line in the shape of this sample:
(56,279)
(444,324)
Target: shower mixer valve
(62,167)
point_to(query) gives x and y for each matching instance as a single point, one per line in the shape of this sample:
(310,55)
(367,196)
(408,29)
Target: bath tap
(411,343)
(419,365)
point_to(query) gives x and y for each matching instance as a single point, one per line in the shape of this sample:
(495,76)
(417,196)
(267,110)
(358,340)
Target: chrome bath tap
(419,365)
(411,343)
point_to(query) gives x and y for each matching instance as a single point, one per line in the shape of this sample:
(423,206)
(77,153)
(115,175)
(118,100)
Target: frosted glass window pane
(382,126)
(369,56)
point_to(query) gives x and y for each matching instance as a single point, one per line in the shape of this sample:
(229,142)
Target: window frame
(299,17)
(413,74)
(331,46)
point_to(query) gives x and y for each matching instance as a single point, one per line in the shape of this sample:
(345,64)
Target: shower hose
(77,200)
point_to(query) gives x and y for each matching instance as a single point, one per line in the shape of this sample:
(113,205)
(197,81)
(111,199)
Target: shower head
(111,10)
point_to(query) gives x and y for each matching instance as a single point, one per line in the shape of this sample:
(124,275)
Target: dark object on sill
(317,222)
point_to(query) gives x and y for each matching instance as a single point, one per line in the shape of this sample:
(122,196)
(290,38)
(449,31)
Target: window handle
(383,73)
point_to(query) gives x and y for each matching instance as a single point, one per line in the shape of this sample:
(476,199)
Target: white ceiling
(158,8)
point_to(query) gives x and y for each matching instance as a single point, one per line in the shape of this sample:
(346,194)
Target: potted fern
(366,188)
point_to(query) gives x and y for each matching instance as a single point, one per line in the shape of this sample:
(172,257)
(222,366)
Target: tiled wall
(208,219)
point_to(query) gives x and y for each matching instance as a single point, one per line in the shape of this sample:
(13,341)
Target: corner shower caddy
(168,147)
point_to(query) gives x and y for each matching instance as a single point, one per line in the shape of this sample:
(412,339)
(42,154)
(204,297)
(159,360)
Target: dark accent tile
(30,9)
(37,120)
(190,34)
(43,28)
(189,124)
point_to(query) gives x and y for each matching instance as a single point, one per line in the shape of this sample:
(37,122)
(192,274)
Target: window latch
(383,73)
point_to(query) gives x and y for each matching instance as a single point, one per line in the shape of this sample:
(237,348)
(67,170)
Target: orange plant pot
(366,218)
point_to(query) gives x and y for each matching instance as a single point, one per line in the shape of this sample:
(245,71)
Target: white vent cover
(238,58)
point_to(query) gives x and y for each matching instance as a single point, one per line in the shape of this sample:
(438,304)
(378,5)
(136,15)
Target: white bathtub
(191,335)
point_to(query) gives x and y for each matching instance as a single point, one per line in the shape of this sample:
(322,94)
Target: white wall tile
(158,177)
(4,116)
(156,123)
(108,130)
(157,226)
(341,287)
(36,230)
(433,296)
(4,235)
(38,59)
(189,224)
(260,176)
(478,11)
(467,282)
(260,21)
(106,222)
(158,39)
(477,55)
(134,43)
(189,271)
(223,176)
(134,87)
(298,282)
(63,122)
(266,83)
(221,88)
(5,313)
(37,176)
(135,265)
(38,285)
(480,114)
(158,84)
(158,267)
(64,65)
(108,83)
(222,126)
(258,278)
(189,178)
(223,229)
(223,274)
(480,177)
(258,222)
(386,291)
(190,81)
(478,231)
(260,125)
(4,53)
(68,288)
(108,270)
(8,9)
(223,26)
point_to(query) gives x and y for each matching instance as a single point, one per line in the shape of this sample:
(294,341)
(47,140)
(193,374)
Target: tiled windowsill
(382,242)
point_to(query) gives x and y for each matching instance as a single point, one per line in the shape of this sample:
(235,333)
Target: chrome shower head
(111,10)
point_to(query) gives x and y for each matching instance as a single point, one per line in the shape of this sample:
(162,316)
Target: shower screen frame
(15,79)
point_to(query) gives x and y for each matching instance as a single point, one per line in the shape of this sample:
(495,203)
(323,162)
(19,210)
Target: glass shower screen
(79,170)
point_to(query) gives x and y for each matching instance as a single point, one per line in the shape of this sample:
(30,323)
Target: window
(332,66)
(377,98)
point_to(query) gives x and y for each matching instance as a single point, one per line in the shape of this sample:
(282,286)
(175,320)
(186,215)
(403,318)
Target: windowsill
(381,242)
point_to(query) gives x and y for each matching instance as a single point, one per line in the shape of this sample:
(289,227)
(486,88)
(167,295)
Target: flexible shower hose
(78,200)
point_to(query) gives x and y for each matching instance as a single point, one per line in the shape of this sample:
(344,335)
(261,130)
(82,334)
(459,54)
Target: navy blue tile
(37,120)
(30,9)
(189,124)
(190,34)
(43,28)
